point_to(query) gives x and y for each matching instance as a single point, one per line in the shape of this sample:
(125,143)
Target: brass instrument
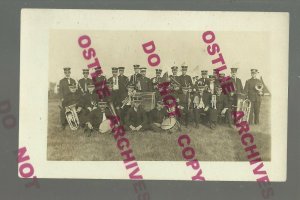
(259,87)
(243,105)
(128,98)
(214,101)
(72,117)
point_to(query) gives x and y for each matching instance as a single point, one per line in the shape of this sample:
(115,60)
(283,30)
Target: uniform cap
(254,70)
(234,69)
(174,68)
(136,66)
(67,69)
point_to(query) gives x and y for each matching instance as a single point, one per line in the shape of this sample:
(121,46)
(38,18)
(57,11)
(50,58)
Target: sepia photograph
(159,95)
(78,124)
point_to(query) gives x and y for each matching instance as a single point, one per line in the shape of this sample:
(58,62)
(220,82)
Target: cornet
(214,101)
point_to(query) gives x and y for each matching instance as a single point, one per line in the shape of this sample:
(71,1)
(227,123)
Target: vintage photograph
(78,120)
(156,95)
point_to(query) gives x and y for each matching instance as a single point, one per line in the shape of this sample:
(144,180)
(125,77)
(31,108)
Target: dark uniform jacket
(157,116)
(64,87)
(83,85)
(250,90)
(206,97)
(70,99)
(88,100)
(155,81)
(136,118)
(96,117)
(123,83)
(237,85)
(202,82)
(134,78)
(185,81)
(222,102)
(146,84)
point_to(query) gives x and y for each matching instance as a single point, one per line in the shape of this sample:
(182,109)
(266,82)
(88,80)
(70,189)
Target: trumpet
(72,117)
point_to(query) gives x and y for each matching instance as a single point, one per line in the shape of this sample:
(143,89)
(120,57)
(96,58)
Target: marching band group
(200,100)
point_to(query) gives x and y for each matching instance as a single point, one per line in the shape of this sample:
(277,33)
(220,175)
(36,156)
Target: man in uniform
(136,118)
(84,82)
(157,115)
(200,105)
(219,108)
(64,93)
(236,81)
(211,86)
(185,80)
(115,87)
(175,82)
(123,83)
(184,104)
(254,96)
(96,117)
(204,80)
(134,78)
(157,79)
(88,103)
(144,83)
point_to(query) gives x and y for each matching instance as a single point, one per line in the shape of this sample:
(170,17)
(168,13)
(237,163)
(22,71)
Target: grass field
(221,144)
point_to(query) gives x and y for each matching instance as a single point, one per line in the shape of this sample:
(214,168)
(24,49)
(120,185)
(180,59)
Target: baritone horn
(72,117)
(244,105)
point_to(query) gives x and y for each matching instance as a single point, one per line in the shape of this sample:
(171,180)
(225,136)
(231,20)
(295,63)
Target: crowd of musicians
(200,99)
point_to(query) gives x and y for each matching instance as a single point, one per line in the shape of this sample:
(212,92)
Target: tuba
(72,117)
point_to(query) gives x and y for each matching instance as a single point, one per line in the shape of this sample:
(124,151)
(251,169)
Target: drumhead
(168,123)
(105,126)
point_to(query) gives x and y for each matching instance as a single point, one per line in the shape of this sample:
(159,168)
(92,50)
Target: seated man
(218,107)
(96,117)
(87,103)
(200,105)
(72,98)
(127,102)
(156,116)
(136,118)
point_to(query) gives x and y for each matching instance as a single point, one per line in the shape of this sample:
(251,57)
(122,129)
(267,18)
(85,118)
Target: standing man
(114,82)
(157,79)
(254,95)
(123,83)
(236,81)
(204,80)
(64,93)
(84,82)
(144,83)
(174,79)
(185,80)
(134,78)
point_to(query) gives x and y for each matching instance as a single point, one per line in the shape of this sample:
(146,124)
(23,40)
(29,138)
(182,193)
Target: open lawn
(221,144)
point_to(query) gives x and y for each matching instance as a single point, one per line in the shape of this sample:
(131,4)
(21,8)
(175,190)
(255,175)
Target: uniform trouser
(254,112)
(84,116)
(185,116)
(63,119)
(215,116)
(155,128)
(123,112)
(199,115)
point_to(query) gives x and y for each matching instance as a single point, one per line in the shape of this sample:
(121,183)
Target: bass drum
(105,126)
(170,124)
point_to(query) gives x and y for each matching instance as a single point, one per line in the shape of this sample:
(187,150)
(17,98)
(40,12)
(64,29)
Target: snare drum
(170,124)
(105,126)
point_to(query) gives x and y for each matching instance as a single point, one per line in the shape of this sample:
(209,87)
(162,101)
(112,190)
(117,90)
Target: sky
(244,50)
